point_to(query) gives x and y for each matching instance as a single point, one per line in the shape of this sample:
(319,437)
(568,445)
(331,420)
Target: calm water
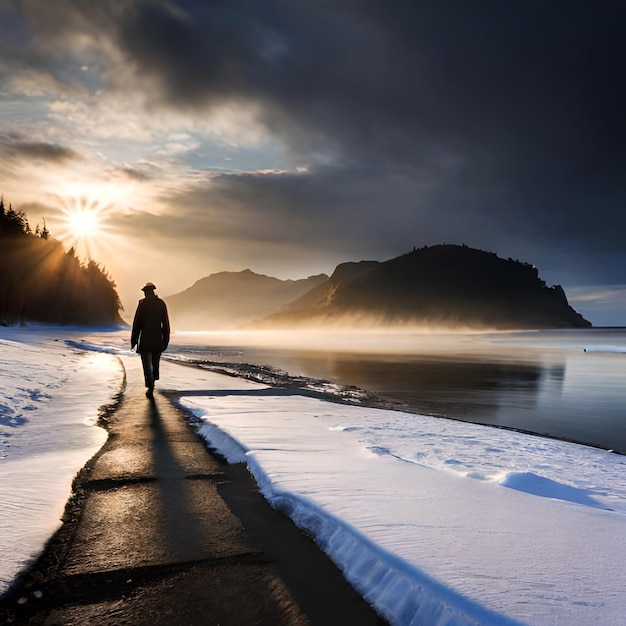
(570,384)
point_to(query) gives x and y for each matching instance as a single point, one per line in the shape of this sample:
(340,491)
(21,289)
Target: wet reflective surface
(570,385)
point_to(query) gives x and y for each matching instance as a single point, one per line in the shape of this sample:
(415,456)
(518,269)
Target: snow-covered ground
(49,400)
(434,521)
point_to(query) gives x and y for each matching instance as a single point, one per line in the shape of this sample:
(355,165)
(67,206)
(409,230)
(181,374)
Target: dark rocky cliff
(440,286)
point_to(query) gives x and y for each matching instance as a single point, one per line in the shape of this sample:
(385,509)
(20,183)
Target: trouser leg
(156,359)
(148,374)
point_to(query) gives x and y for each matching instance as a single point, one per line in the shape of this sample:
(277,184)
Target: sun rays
(83,226)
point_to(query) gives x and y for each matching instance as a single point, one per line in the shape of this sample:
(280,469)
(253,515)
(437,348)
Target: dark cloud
(328,209)
(141,175)
(41,151)
(513,109)
(404,78)
(19,148)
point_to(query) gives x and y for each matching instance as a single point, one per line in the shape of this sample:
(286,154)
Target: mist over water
(563,384)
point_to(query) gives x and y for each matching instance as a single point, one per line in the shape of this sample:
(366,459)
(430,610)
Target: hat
(148,287)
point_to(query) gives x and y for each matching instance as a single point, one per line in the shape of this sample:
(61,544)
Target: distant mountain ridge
(445,286)
(230,299)
(442,286)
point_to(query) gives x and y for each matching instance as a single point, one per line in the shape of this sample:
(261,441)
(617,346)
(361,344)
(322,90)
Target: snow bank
(433,521)
(49,400)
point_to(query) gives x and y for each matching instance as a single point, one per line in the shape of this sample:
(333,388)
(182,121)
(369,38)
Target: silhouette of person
(151,334)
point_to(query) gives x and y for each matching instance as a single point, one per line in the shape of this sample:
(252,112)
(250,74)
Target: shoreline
(267,374)
(371,399)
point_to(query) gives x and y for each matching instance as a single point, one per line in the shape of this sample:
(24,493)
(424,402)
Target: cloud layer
(354,128)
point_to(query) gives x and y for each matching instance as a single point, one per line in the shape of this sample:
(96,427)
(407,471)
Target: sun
(83,225)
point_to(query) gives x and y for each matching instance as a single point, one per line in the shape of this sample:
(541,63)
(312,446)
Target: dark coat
(151,326)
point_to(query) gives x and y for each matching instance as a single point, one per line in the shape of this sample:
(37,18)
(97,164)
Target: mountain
(322,295)
(439,286)
(232,299)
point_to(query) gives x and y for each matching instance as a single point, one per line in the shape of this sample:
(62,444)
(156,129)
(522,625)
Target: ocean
(569,385)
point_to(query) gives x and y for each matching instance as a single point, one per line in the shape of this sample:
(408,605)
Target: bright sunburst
(83,225)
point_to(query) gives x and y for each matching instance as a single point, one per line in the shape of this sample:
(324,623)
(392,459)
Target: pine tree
(13,222)
(41,282)
(44,233)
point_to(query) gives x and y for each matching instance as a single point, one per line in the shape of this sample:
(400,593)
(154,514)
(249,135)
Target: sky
(170,140)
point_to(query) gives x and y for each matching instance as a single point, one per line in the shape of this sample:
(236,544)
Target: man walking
(151,334)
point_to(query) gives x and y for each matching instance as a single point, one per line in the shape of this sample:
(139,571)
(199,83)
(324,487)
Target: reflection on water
(568,385)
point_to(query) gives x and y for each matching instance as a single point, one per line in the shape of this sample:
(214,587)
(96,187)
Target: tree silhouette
(41,282)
